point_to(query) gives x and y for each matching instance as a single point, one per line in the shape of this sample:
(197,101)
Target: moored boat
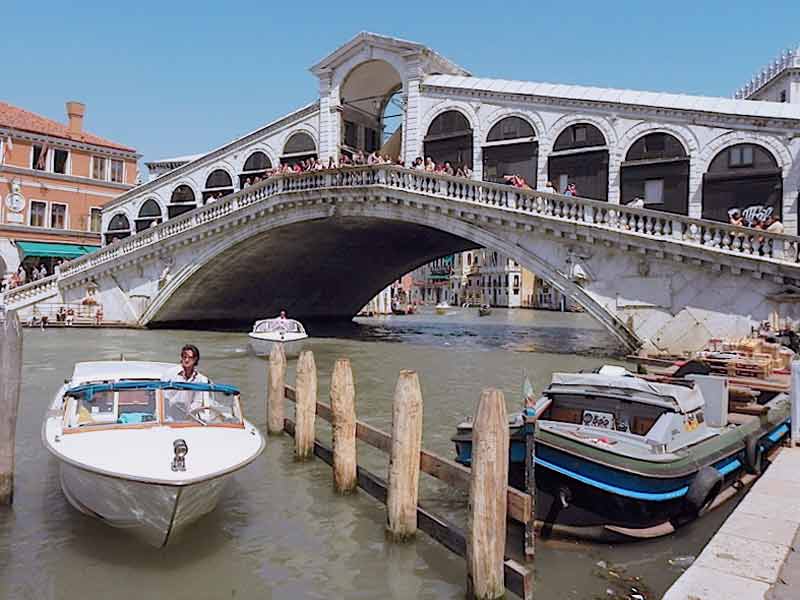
(619,456)
(289,333)
(142,454)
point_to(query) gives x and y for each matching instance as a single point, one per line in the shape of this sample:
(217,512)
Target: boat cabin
(278,325)
(142,403)
(624,412)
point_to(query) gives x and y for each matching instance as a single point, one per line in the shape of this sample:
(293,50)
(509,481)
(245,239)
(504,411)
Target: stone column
(412,137)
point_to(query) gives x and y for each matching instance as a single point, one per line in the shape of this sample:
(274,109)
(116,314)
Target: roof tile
(24,120)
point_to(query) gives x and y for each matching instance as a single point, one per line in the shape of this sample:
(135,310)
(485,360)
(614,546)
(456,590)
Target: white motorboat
(442,308)
(143,454)
(288,332)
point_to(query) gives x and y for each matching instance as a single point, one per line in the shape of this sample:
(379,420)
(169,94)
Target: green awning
(53,250)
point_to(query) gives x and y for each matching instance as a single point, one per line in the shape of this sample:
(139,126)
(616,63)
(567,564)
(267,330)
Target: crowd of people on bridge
(769,223)
(358,159)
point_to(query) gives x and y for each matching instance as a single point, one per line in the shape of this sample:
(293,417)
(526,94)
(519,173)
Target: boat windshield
(278,325)
(204,407)
(104,407)
(152,402)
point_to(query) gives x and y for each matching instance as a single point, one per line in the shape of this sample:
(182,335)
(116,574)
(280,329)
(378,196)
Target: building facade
(54,181)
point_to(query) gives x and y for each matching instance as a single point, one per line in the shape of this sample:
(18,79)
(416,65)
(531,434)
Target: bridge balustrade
(721,237)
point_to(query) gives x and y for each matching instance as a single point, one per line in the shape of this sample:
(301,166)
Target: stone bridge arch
(352,227)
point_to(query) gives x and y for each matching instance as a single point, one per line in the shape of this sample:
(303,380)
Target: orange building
(54,181)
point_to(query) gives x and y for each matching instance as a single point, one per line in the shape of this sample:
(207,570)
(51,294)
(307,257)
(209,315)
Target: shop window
(116,169)
(95,220)
(740,156)
(98,167)
(58,216)
(38,214)
(39,160)
(60,161)
(654,191)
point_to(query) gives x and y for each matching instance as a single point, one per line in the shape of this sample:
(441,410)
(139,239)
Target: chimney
(75,111)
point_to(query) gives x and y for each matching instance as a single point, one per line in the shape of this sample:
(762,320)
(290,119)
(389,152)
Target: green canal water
(280,531)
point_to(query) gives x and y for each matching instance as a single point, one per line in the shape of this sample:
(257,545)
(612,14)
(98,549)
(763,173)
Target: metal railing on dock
(489,570)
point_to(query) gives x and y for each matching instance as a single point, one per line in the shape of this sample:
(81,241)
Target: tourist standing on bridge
(774,225)
(571,190)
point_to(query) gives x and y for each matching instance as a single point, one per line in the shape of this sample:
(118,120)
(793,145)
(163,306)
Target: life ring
(703,490)
(753,454)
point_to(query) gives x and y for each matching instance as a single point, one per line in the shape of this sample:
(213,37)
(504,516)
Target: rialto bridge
(323,243)
(671,274)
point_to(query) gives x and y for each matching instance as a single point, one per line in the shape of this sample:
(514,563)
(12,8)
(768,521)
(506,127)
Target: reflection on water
(279,530)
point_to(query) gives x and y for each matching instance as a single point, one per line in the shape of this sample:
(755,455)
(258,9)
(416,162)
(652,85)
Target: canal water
(280,531)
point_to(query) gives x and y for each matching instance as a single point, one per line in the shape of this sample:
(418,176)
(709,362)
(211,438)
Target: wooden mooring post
(275,395)
(530,485)
(403,480)
(486,542)
(306,409)
(10,384)
(487,535)
(343,398)
(794,392)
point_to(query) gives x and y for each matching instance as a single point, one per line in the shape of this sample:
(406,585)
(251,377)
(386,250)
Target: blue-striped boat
(619,456)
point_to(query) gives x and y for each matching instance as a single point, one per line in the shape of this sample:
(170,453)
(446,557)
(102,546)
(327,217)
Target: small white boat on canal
(280,330)
(143,454)
(442,308)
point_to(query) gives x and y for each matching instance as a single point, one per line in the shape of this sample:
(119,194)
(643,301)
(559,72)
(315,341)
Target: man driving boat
(178,404)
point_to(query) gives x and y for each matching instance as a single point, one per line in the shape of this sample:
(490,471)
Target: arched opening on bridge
(149,215)
(449,139)
(511,149)
(299,147)
(372,110)
(118,228)
(218,184)
(744,177)
(256,165)
(656,171)
(181,201)
(580,156)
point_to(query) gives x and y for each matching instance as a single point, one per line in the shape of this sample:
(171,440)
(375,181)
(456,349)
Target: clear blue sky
(172,78)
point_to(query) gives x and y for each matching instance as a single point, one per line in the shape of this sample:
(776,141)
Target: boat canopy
(278,324)
(94,388)
(679,398)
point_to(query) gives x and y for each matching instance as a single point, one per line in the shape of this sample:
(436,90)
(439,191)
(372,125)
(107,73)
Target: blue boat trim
(778,433)
(731,466)
(653,496)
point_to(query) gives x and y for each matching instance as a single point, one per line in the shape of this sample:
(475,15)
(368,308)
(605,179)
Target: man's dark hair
(194,350)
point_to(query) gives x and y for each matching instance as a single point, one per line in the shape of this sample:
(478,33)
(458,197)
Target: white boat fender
(703,490)
(753,463)
(565,496)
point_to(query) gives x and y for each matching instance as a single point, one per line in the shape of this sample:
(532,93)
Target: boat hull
(155,513)
(582,494)
(263,347)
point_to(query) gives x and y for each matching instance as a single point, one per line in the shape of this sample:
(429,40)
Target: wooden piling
(10,383)
(403,481)
(794,393)
(530,485)
(277,381)
(343,422)
(306,409)
(486,534)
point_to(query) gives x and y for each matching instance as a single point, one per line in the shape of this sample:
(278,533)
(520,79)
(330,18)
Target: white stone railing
(636,222)
(786,60)
(29,291)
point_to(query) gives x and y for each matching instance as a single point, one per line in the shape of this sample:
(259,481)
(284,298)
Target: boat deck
(754,554)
